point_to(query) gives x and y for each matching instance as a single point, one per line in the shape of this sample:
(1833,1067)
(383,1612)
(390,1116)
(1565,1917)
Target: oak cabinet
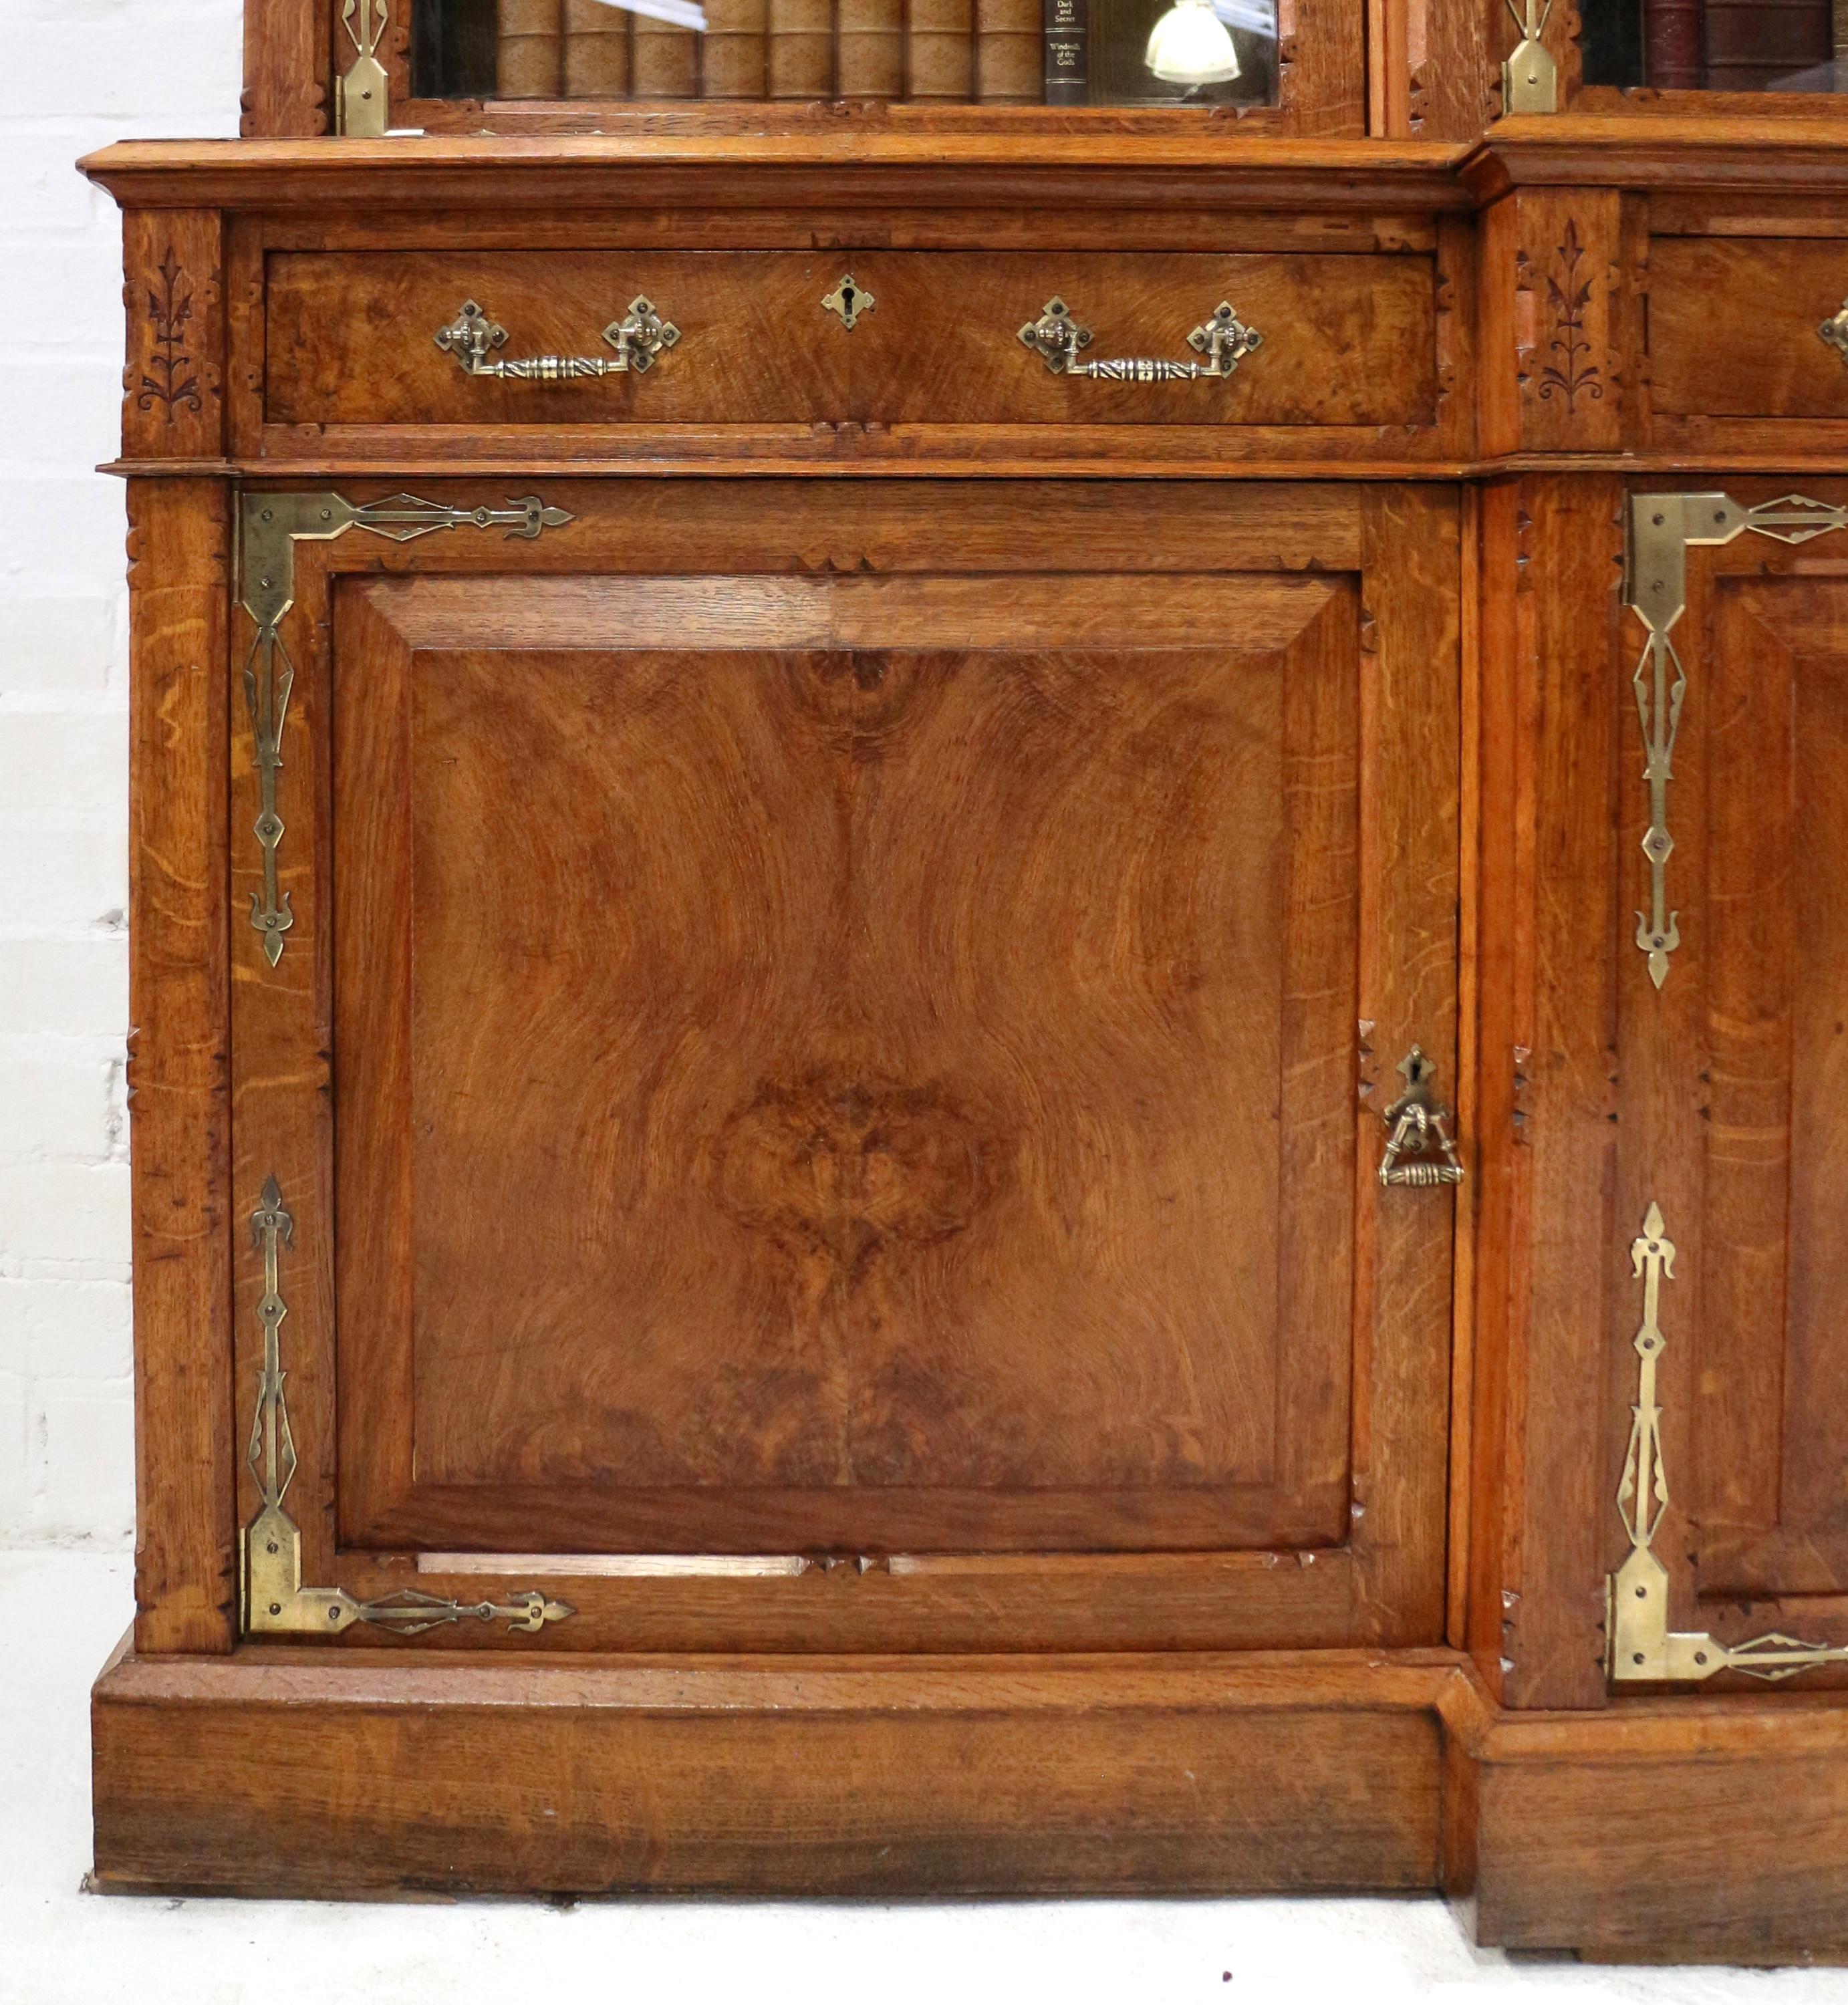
(909,1118)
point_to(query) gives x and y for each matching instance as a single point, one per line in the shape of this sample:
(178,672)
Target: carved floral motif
(1573,374)
(170,378)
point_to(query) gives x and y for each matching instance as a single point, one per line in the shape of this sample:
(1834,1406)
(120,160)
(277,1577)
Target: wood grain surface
(1348,340)
(875,1052)
(179,1066)
(1029,894)
(1733,327)
(1211,1774)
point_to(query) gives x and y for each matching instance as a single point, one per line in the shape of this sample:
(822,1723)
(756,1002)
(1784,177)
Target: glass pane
(1785,45)
(916,51)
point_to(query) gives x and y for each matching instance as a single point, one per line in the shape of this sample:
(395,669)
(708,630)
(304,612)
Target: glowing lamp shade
(1191,45)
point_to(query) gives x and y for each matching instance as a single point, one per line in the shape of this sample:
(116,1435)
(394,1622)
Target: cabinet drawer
(1734,326)
(1346,339)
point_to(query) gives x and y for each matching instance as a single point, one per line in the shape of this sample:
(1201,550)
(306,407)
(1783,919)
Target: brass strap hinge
(1640,1646)
(1531,77)
(269,528)
(1662,529)
(273,1601)
(362,98)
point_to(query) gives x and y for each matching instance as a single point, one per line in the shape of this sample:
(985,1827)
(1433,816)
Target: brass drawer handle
(1420,1152)
(637,338)
(1224,339)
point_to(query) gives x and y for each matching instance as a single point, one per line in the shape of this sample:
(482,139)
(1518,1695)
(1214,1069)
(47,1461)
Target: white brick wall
(79,73)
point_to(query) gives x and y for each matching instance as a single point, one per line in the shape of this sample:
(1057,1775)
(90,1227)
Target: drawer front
(1347,340)
(1734,326)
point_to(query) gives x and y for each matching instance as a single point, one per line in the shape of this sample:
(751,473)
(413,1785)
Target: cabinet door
(826,1076)
(1734,1073)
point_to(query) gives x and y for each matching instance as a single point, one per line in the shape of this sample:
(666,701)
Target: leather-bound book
(665,59)
(801,48)
(734,56)
(869,49)
(596,50)
(531,48)
(1066,34)
(1674,43)
(1755,44)
(1009,51)
(940,48)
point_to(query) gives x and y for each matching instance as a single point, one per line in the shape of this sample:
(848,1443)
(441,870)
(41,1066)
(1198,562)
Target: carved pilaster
(1554,374)
(173,404)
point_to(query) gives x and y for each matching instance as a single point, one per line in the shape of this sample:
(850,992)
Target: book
(734,57)
(1674,45)
(939,47)
(1009,51)
(1066,76)
(801,48)
(596,50)
(531,60)
(869,49)
(1755,44)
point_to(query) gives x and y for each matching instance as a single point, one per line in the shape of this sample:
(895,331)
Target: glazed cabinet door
(811,1059)
(1734,1167)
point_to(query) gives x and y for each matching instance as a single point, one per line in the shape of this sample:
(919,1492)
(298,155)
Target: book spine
(734,60)
(1009,51)
(869,49)
(1841,39)
(665,59)
(1067,78)
(596,50)
(940,48)
(531,55)
(801,48)
(1751,44)
(1674,43)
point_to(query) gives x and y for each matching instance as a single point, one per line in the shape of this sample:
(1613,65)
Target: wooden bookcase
(772,991)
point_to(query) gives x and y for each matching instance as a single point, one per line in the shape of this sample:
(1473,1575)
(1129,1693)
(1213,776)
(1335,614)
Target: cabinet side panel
(1549,929)
(1410,721)
(179,548)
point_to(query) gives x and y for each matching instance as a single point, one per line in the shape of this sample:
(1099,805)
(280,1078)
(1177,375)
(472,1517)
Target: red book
(1674,45)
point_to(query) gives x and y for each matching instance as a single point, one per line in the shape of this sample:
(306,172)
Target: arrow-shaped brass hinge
(274,1601)
(1641,1648)
(270,526)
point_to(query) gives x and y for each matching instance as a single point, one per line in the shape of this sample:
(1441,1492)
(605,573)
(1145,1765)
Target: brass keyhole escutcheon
(849,300)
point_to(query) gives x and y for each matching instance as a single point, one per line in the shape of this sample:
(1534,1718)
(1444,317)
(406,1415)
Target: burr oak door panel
(844,1044)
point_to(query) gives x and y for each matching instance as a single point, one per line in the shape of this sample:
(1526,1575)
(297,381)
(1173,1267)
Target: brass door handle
(1223,339)
(637,338)
(1420,1152)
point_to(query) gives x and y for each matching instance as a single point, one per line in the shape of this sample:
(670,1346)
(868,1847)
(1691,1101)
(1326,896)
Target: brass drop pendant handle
(1223,339)
(1420,1152)
(637,338)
